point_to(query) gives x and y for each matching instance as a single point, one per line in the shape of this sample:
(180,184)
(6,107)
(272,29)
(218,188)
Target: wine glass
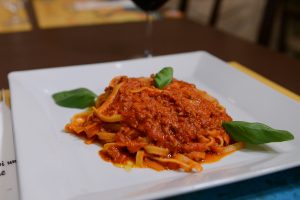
(149,6)
(14,6)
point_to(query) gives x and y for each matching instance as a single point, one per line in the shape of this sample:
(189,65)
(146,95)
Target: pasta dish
(178,127)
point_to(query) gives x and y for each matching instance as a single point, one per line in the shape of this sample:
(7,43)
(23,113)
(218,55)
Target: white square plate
(55,165)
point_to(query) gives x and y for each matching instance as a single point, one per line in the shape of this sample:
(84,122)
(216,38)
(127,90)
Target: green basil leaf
(163,77)
(255,133)
(78,98)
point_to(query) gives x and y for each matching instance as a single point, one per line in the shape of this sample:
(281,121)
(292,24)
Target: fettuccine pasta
(178,127)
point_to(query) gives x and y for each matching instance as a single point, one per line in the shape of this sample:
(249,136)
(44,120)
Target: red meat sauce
(179,117)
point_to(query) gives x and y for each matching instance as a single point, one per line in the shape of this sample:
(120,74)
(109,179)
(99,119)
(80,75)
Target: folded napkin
(94,5)
(8,174)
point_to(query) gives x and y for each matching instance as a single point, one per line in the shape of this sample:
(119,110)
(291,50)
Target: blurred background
(274,24)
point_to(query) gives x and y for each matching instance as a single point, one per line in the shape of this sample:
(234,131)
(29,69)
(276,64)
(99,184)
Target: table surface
(94,44)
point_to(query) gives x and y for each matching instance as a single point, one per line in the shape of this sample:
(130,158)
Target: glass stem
(148,34)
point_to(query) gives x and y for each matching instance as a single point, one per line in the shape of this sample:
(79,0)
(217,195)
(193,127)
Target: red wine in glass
(149,6)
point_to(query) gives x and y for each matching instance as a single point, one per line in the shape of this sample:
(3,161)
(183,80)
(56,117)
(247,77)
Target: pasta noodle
(178,127)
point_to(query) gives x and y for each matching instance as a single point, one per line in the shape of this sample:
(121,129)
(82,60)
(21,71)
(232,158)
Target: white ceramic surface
(56,165)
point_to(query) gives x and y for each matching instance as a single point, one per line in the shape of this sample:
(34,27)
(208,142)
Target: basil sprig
(78,98)
(255,133)
(163,77)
